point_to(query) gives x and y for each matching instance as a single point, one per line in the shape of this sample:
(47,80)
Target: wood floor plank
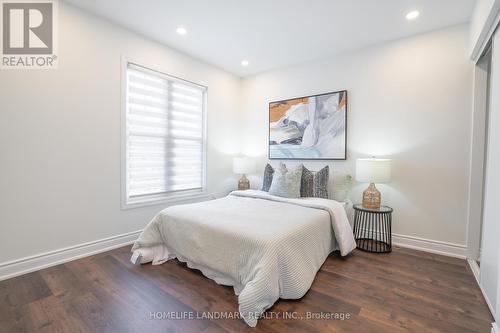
(16,293)
(131,290)
(431,256)
(392,270)
(404,291)
(382,299)
(460,284)
(49,315)
(178,280)
(424,292)
(23,289)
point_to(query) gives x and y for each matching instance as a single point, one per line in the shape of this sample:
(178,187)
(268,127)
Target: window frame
(186,195)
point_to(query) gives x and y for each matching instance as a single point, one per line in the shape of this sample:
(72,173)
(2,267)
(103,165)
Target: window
(164,136)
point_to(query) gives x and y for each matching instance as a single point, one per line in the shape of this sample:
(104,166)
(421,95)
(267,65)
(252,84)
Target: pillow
(315,184)
(268,177)
(340,185)
(286,183)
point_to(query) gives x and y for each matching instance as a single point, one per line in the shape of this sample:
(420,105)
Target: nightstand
(372,229)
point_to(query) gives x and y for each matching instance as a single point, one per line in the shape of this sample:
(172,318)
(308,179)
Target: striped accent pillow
(268,177)
(314,184)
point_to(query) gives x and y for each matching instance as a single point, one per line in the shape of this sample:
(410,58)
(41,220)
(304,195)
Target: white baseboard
(432,246)
(475,269)
(472,263)
(33,263)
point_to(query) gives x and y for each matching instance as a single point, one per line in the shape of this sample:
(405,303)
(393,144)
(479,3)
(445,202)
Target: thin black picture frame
(307,159)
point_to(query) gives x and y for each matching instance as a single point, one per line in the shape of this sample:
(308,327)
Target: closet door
(478,154)
(490,252)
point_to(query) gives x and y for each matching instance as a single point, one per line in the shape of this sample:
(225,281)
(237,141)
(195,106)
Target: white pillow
(339,186)
(286,183)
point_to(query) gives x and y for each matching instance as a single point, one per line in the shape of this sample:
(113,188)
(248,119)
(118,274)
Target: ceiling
(276,33)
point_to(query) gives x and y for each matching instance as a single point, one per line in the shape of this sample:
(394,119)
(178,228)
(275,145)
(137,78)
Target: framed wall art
(309,128)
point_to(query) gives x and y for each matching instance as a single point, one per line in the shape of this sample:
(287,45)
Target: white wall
(60,137)
(60,130)
(409,100)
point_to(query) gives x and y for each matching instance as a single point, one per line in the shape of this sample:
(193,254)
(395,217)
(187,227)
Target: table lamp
(372,170)
(243,166)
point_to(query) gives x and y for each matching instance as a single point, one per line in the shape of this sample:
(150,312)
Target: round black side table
(372,229)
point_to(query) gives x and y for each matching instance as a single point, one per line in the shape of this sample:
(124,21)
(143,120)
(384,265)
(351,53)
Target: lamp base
(371,197)
(243,183)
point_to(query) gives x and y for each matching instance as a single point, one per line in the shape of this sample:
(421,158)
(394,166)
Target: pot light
(181,30)
(412,15)
(244,63)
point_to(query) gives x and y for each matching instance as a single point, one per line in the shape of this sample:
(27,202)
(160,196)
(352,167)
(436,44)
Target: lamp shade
(243,165)
(373,170)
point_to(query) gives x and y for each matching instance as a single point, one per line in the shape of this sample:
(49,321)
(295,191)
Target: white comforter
(265,246)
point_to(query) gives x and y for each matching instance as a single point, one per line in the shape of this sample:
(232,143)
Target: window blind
(164,134)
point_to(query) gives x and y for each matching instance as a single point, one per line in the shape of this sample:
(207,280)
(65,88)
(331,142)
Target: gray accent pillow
(315,184)
(286,183)
(268,177)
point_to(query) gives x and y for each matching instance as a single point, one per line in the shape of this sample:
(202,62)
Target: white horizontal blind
(165,134)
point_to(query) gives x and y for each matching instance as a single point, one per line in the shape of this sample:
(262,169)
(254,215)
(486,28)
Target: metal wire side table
(372,229)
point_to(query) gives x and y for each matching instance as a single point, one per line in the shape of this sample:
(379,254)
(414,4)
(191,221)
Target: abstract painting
(311,127)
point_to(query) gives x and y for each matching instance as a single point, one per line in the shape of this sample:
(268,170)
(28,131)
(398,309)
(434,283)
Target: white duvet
(266,247)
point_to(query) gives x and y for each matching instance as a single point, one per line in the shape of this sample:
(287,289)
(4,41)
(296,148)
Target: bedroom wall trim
(477,274)
(432,246)
(475,269)
(494,327)
(36,262)
(487,30)
(428,245)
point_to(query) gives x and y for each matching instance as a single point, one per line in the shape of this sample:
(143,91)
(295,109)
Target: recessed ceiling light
(244,63)
(412,15)
(181,30)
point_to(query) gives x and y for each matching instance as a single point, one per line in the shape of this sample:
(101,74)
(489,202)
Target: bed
(266,247)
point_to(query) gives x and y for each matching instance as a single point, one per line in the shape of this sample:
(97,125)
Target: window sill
(169,200)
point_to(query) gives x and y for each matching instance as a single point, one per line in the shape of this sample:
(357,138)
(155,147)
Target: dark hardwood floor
(404,291)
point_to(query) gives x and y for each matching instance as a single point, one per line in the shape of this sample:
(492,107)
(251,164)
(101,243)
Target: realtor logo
(28,34)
